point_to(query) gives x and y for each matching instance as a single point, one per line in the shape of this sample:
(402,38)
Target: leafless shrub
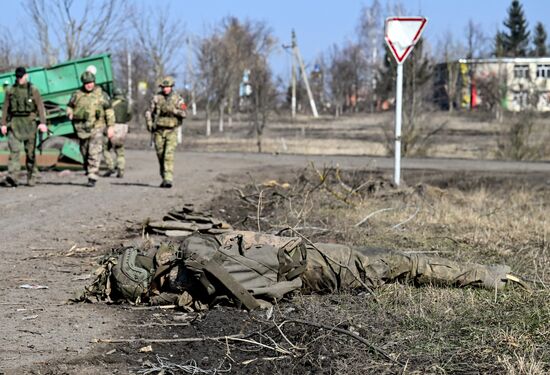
(516,141)
(418,135)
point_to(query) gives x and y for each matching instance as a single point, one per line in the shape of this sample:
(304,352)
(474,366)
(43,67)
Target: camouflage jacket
(90,110)
(165,111)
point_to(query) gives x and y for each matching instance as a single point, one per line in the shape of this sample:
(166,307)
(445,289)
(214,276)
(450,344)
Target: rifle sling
(219,273)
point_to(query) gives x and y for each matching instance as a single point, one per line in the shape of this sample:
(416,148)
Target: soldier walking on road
(90,111)
(22,103)
(123,115)
(166,112)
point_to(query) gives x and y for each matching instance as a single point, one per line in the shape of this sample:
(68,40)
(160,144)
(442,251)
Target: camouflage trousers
(257,262)
(166,140)
(14,145)
(91,148)
(119,152)
(333,267)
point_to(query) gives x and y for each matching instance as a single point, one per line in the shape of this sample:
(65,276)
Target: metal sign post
(402,33)
(398,119)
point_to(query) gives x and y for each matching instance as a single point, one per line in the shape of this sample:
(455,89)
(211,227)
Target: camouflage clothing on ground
(217,263)
(22,104)
(91,113)
(165,114)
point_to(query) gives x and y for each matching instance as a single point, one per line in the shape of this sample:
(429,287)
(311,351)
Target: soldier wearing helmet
(165,114)
(123,114)
(90,111)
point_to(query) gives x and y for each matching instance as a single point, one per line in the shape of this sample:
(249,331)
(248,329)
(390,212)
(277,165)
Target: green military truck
(56,84)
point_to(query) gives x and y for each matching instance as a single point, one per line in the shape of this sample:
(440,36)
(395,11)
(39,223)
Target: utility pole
(293,99)
(129,62)
(190,80)
(298,57)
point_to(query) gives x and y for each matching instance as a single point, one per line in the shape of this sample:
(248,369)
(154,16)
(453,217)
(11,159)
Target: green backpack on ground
(132,275)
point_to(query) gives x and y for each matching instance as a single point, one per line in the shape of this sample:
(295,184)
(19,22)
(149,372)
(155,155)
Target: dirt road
(52,233)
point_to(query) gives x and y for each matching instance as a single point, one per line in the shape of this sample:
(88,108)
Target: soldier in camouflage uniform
(216,263)
(90,111)
(123,114)
(22,104)
(165,114)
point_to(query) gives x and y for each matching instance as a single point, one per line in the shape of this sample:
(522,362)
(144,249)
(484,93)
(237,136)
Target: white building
(522,81)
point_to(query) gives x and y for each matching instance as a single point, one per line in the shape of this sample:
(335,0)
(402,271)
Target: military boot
(91,182)
(166,184)
(11,181)
(120,174)
(109,173)
(31,180)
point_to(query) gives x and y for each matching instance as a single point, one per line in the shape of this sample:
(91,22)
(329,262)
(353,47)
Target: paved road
(388,163)
(39,225)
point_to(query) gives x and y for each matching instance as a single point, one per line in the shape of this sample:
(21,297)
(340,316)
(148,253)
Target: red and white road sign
(402,33)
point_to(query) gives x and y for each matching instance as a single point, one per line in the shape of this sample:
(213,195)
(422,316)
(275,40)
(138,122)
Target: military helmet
(118,92)
(87,77)
(167,82)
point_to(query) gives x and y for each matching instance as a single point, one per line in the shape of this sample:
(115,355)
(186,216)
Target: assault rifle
(155,119)
(41,139)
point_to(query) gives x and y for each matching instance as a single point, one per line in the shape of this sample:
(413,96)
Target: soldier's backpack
(262,271)
(131,275)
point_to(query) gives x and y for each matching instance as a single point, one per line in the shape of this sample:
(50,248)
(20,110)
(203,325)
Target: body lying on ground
(253,270)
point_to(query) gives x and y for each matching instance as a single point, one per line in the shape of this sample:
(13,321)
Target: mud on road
(52,235)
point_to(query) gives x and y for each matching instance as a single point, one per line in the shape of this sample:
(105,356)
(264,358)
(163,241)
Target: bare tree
(65,30)
(161,37)
(346,75)
(141,72)
(370,30)
(244,42)
(211,60)
(451,51)
(13,53)
(338,70)
(264,95)
(476,41)
(223,56)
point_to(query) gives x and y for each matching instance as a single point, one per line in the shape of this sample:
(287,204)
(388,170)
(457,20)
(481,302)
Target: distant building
(516,83)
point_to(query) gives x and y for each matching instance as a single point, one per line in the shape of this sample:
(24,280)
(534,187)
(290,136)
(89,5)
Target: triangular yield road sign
(402,33)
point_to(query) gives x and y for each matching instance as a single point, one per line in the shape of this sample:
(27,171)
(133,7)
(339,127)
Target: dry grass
(503,219)
(464,136)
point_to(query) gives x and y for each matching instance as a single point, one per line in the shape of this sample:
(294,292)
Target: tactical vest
(88,111)
(21,100)
(262,271)
(166,106)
